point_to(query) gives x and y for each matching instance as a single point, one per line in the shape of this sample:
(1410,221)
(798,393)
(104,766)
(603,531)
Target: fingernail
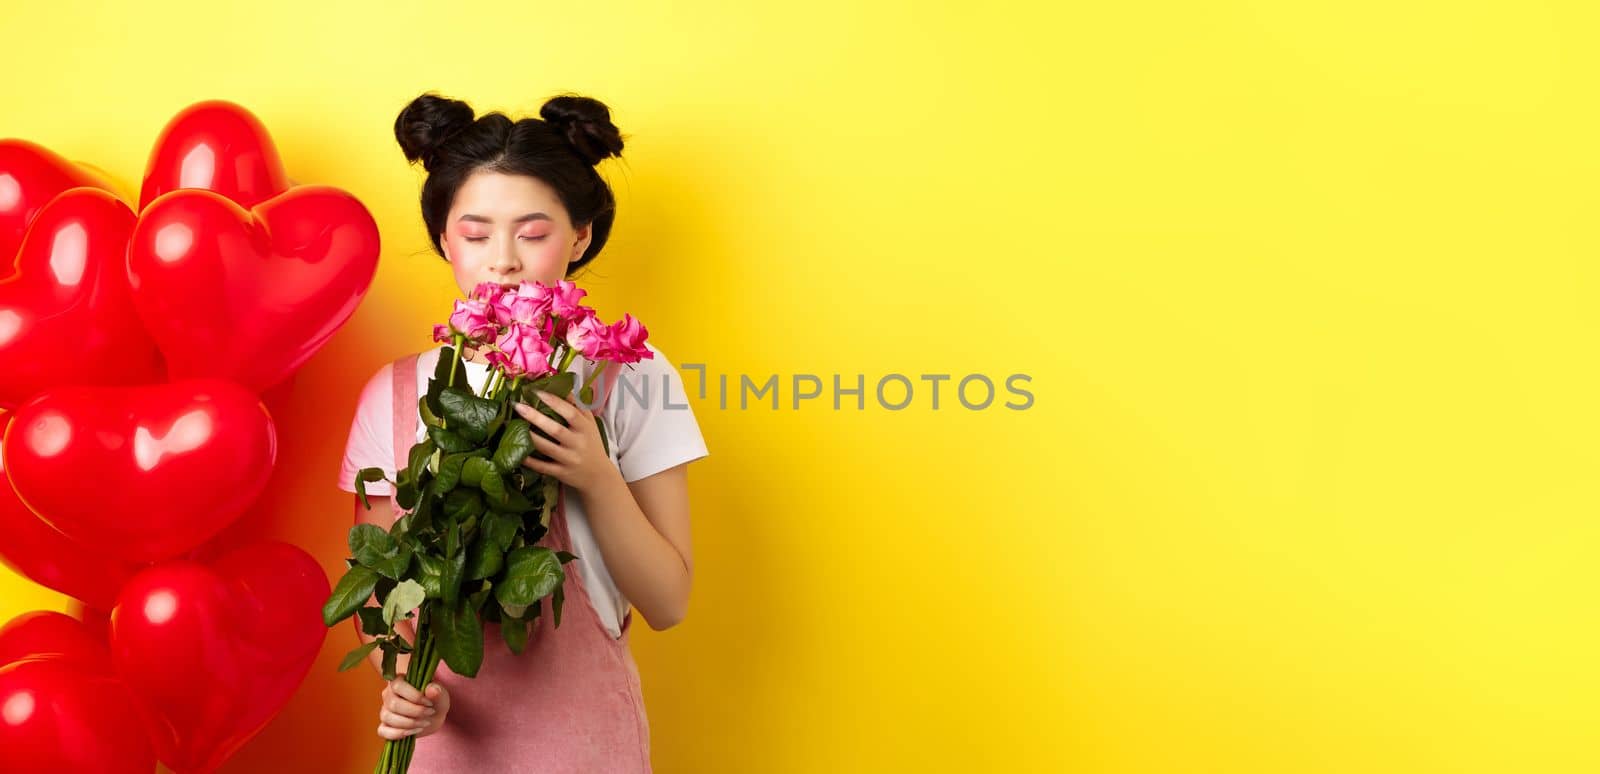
(430,712)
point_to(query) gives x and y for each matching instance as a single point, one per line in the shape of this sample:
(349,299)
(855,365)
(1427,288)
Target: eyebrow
(519,219)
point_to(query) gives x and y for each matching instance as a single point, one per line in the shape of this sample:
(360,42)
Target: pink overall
(569,704)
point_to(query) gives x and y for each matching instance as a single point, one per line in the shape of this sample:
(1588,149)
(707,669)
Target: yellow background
(1305,291)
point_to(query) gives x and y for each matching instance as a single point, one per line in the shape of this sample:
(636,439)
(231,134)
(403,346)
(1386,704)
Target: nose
(505,261)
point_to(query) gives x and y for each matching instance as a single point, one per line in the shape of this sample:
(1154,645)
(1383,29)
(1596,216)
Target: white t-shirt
(648,421)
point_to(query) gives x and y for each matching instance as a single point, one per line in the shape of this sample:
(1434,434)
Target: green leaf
(449,474)
(395,566)
(367,476)
(484,558)
(555,603)
(372,623)
(405,597)
(349,595)
(357,656)
(417,459)
(494,491)
(461,639)
(430,571)
(406,493)
(605,444)
(374,548)
(557,384)
(462,504)
(454,566)
(532,572)
(390,655)
(501,528)
(515,634)
(474,470)
(552,487)
(449,442)
(385,585)
(515,445)
(429,417)
(369,543)
(565,557)
(466,414)
(442,378)
(400,528)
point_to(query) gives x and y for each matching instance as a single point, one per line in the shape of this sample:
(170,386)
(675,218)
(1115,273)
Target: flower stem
(456,356)
(425,662)
(600,368)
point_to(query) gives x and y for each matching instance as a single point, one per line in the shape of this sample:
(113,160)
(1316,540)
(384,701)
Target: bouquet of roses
(465,553)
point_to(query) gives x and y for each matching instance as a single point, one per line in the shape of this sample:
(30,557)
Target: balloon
(249,295)
(217,146)
(61,706)
(39,553)
(215,651)
(48,633)
(30,176)
(113,183)
(145,472)
(66,316)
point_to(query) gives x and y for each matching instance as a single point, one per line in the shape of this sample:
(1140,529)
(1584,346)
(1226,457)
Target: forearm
(646,567)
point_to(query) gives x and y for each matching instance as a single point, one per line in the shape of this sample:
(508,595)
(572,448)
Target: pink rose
(528,306)
(523,351)
(627,337)
(488,292)
(529,311)
(471,318)
(589,337)
(442,334)
(564,298)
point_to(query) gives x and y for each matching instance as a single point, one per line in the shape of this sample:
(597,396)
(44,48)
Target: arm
(643,531)
(642,527)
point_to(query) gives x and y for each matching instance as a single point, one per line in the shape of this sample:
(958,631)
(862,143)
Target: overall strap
(405,411)
(608,382)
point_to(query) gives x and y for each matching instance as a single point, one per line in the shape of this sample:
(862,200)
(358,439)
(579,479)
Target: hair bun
(424,125)
(586,125)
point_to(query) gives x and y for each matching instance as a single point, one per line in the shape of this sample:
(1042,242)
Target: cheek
(548,250)
(461,251)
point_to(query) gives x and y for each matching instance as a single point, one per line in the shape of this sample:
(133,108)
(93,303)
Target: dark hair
(561,148)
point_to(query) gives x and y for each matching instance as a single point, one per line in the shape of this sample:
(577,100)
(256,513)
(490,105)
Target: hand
(577,455)
(406,711)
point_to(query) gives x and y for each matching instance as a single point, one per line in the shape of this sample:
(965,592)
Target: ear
(585,234)
(444,247)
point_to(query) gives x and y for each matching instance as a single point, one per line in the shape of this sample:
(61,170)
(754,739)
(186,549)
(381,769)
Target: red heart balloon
(30,176)
(216,651)
(249,295)
(48,633)
(61,706)
(38,552)
(146,472)
(66,316)
(217,146)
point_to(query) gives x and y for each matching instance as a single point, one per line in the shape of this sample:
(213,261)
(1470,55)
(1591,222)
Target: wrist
(606,486)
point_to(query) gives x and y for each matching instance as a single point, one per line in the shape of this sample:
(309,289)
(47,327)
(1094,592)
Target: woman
(507,201)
